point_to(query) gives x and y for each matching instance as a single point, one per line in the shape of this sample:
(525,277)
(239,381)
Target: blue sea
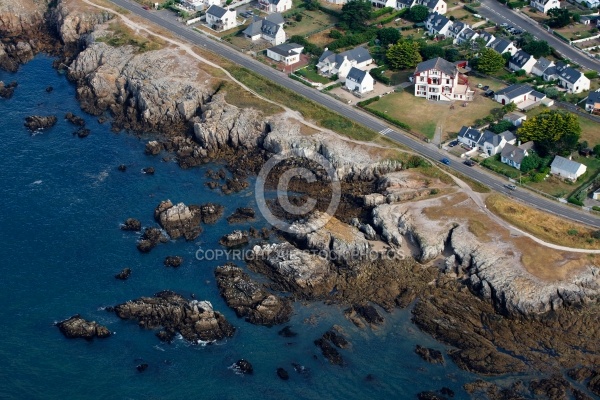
(62,202)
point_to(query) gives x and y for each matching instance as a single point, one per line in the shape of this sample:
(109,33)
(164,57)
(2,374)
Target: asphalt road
(359,116)
(500,13)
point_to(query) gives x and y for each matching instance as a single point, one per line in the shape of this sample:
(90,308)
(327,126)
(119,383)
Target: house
(331,63)
(467,35)
(567,169)
(269,29)
(551,73)
(573,80)
(272,6)
(288,53)
(592,103)
(455,30)
(596,194)
(544,5)
(541,66)
(199,5)
(514,155)
(338,2)
(438,6)
(516,118)
(469,136)
(503,46)
(220,19)
(486,37)
(358,81)
(438,79)
(522,95)
(591,19)
(522,61)
(493,143)
(383,3)
(437,24)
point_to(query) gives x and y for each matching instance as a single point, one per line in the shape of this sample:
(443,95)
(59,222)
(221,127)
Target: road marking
(385,131)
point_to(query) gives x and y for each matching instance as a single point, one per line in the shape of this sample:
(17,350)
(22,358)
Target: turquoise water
(63,201)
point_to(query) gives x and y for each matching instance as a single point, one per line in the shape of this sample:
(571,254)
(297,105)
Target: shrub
(572,232)
(415,161)
(298,17)
(596,208)
(591,74)
(335,34)
(520,72)
(538,177)
(575,201)
(596,234)
(434,191)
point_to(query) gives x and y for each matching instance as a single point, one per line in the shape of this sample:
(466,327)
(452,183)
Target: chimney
(519,143)
(325,49)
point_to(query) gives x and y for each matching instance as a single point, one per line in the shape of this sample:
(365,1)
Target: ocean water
(62,202)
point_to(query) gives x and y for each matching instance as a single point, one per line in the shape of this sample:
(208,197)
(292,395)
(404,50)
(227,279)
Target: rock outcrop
(124,274)
(430,355)
(179,220)
(242,214)
(150,239)
(173,261)
(234,239)
(211,212)
(7,90)
(195,320)
(38,122)
(249,300)
(77,327)
(131,224)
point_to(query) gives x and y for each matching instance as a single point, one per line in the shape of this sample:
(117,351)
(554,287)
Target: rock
(430,355)
(122,167)
(329,352)
(153,148)
(49,89)
(149,240)
(249,300)
(74,119)
(368,313)
(212,184)
(287,332)
(234,239)
(195,320)
(447,392)
(36,122)
(141,367)
(336,338)
(580,374)
(211,212)
(594,384)
(242,214)
(179,220)
(173,261)
(430,396)
(131,224)
(7,91)
(124,274)
(283,374)
(234,185)
(166,335)
(579,395)
(148,170)
(82,133)
(243,366)
(77,327)
(555,387)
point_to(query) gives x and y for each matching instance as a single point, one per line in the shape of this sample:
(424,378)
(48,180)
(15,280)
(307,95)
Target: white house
(596,194)
(438,6)
(220,19)
(467,35)
(271,6)
(469,136)
(358,81)
(516,118)
(551,73)
(269,29)
(591,19)
(287,53)
(383,3)
(503,46)
(339,2)
(522,61)
(522,95)
(331,63)
(437,24)
(199,5)
(493,143)
(567,169)
(514,155)
(592,103)
(573,80)
(544,5)
(486,37)
(438,79)
(455,30)
(541,66)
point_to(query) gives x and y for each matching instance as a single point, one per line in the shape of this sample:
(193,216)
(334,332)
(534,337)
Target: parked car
(453,143)
(504,24)
(145,7)
(488,93)
(469,163)
(445,161)
(486,87)
(511,187)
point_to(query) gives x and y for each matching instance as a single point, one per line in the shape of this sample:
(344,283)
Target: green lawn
(398,77)
(311,22)
(310,73)
(501,168)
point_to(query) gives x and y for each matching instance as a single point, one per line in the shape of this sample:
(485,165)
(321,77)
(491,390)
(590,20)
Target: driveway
(379,89)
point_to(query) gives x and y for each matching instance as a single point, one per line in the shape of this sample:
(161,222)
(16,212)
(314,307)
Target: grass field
(545,226)
(311,21)
(424,116)
(310,73)
(321,39)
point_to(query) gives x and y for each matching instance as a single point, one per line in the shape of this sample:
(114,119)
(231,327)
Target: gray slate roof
(406,3)
(467,34)
(507,135)
(571,75)
(286,49)
(216,11)
(542,64)
(520,58)
(358,54)
(514,116)
(500,45)
(593,98)
(514,91)
(514,153)
(437,63)
(356,75)
(564,164)
(437,21)
(269,25)
(486,36)
(456,27)
(469,133)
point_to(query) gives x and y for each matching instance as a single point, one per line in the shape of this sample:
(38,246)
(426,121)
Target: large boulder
(37,122)
(77,327)
(179,220)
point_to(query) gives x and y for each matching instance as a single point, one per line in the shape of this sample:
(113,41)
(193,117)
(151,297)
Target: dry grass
(119,34)
(239,97)
(311,21)
(321,39)
(545,226)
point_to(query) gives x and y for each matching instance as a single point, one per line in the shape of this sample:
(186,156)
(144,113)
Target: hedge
(365,103)
(296,78)
(575,201)
(382,11)
(393,16)
(394,121)
(596,208)
(470,9)
(561,37)
(377,74)
(329,11)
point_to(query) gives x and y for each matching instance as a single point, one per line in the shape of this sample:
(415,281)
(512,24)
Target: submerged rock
(36,122)
(243,366)
(148,170)
(77,327)
(122,167)
(173,261)
(195,320)
(7,90)
(249,300)
(74,119)
(82,133)
(124,274)
(430,355)
(179,220)
(141,367)
(283,374)
(329,352)
(287,332)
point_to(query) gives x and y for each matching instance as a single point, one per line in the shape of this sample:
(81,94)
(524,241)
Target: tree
(356,14)
(298,17)
(510,107)
(432,51)
(388,36)
(576,17)
(490,61)
(501,126)
(530,162)
(538,48)
(552,131)
(417,13)
(451,54)
(311,5)
(597,150)
(404,54)
(559,17)
(335,34)
(551,92)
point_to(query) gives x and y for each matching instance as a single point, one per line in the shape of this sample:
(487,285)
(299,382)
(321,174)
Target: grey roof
(537,94)
(275,1)
(253,29)
(520,58)
(500,45)
(356,75)
(507,135)
(514,116)
(358,54)
(543,64)
(456,27)
(489,137)
(286,49)
(437,21)
(407,3)
(486,36)
(269,28)
(275,18)
(437,63)
(467,34)
(564,164)
(514,91)
(216,11)
(514,153)
(571,75)
(469,133)
(269,25)
(593,98)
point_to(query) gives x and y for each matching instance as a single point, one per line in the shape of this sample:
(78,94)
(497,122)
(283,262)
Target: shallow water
(63,201)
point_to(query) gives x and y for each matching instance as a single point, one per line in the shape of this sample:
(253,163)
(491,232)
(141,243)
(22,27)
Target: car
(488,93)
(486,87)
(504,24)
(477,16)
(479,85)
(517,32)
(453,143)
(445,161)
(145,7)
(469,163)
(510,186)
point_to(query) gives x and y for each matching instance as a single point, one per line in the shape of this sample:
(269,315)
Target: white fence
(194,20)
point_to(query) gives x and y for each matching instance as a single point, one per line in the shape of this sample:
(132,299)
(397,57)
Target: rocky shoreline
(498,317)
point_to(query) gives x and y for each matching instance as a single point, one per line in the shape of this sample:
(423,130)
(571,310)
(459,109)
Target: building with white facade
(438,79)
